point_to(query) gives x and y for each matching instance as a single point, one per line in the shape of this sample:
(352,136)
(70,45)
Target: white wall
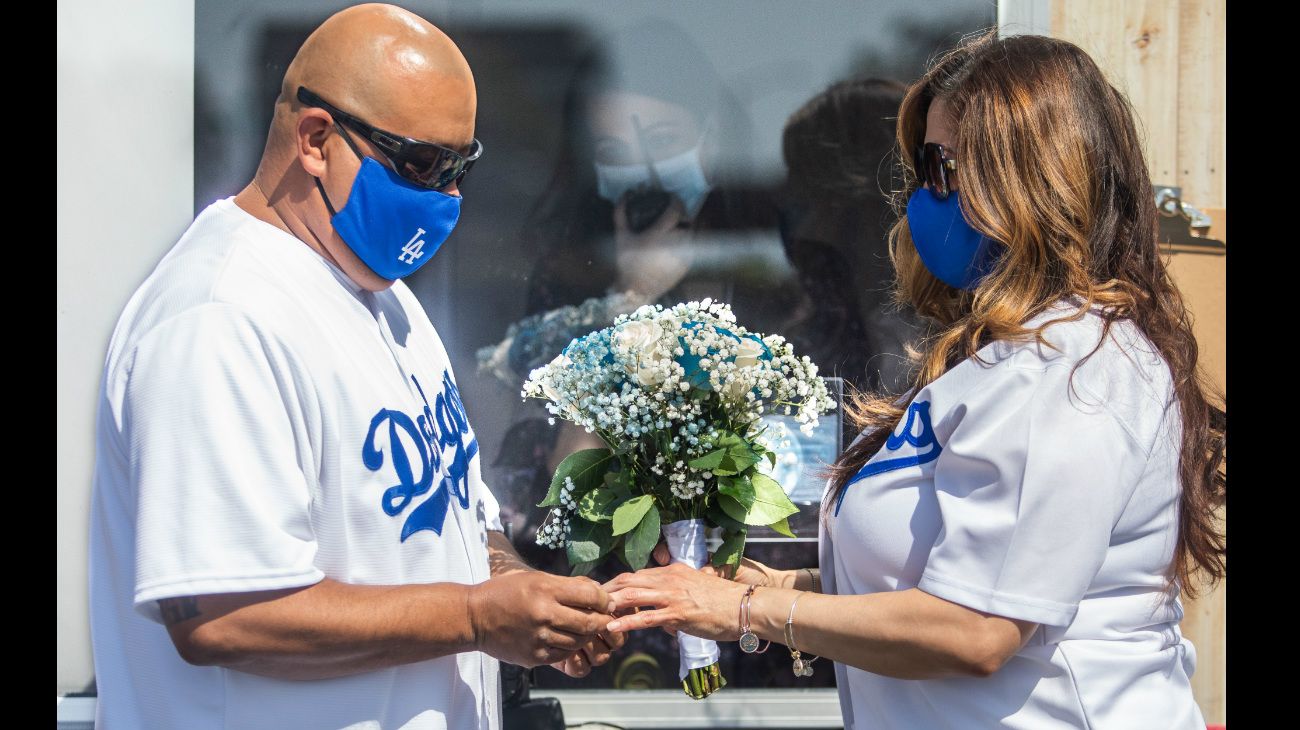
(125,182)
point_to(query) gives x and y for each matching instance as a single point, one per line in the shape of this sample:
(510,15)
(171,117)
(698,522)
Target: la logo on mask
(413,249)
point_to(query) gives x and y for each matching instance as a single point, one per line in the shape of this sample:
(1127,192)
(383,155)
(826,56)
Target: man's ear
(311,132)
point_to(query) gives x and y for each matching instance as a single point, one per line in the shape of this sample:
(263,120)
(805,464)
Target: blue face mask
(392,225)
(955,253)
(681,175)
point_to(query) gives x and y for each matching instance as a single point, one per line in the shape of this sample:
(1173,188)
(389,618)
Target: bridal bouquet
(677,396)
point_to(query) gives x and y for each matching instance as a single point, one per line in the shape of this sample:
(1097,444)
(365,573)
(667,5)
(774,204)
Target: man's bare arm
(333,629)
(502,556)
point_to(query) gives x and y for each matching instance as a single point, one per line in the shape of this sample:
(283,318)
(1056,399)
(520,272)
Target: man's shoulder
(226,264)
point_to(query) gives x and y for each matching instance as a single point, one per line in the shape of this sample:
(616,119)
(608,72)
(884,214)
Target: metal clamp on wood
(1182,224)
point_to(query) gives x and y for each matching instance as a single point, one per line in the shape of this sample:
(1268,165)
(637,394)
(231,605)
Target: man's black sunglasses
(423,163)
(934,167)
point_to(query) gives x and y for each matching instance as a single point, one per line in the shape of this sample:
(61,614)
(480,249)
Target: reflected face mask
(681,175)
(392,225)
(957,254)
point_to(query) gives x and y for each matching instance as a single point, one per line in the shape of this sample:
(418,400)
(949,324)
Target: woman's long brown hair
(1050,165)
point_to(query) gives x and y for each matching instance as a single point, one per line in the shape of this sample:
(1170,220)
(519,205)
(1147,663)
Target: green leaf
(617,482)
(710,460)
(768,492)
(586,467)
(584,568)
(728,440)
(733,546)
(629,514)
(588,541)
(735,510)
(722,519)
(782,527)
(641,541)
(739,489)
(771,456)
(726,467)
(770,503)
(743,459)
(598,505)
(622,557)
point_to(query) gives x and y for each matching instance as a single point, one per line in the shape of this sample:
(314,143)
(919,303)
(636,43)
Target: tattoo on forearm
(175,610)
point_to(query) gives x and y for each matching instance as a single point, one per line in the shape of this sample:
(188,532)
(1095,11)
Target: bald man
(289,525)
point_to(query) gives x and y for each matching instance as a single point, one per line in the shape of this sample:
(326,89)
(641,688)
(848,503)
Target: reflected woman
(835,218)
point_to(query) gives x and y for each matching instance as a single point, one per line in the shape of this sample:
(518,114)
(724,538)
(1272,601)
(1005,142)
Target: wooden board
(1136,46)
(1202,105)
(1168,58)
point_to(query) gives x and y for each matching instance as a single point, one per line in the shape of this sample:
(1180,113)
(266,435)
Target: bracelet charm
(748,639)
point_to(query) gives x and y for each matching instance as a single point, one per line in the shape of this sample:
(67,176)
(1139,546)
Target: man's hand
(505,560)
(594,653)
(531,618)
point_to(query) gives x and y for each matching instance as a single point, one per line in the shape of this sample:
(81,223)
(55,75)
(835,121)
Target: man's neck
(254,202)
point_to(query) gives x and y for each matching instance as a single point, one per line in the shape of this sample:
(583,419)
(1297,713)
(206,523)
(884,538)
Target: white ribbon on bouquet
(687,545)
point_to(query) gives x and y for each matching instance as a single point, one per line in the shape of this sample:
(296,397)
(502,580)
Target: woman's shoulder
(1117,369)
(1069,337)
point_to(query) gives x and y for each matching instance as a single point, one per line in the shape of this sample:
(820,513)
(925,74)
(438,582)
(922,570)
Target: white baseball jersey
(1008,492)
(263,423)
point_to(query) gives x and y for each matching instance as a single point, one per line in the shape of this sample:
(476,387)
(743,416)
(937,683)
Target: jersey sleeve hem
(1009,605)
(147,597)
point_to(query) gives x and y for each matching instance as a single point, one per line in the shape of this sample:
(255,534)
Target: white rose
(637,344)
(560,362)
(636,337)
(749,352)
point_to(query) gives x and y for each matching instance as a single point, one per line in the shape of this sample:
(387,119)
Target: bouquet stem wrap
(686,545)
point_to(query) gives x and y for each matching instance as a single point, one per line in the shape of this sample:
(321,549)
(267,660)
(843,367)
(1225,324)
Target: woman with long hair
(835,215)
(1005,543)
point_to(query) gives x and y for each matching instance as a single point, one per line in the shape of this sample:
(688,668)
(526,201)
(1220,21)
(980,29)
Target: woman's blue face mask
(957,254)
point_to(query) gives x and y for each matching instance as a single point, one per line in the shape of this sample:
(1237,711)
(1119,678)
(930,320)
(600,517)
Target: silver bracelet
(801,667)
(748,639)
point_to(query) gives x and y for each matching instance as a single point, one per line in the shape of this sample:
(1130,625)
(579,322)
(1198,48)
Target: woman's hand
(682,599)
(655,260)
(749,572)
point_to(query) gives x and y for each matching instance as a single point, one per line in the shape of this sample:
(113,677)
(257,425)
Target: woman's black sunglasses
(933,167)
(423,163)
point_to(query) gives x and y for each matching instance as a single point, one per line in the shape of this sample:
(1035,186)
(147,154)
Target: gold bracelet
(801,667)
